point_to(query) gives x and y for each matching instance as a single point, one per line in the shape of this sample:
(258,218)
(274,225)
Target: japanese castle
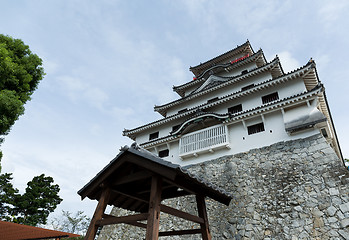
(238,101)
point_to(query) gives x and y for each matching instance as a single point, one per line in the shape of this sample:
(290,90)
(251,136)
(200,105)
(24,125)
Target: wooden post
(102,204)
(154,209)
(205,231)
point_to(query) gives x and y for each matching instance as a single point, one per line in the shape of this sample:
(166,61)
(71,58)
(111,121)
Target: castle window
(176,127)
(270,97)
(164,153)
(256,128)
(212,100)
(183,110)
(235,109)
(324,132)
(153,135)
(247,87)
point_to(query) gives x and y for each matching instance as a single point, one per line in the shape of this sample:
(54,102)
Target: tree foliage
(73,223)
(7,195)
(34,205)
(20,74)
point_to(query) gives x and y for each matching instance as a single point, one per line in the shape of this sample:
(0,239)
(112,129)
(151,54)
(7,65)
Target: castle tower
(264,136)
(238,101)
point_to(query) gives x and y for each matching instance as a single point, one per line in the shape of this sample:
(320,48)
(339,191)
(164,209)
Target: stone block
(332,219)
(344,207)
(317,213)
(333,191)
(345,223)
(318,222)
(344,234)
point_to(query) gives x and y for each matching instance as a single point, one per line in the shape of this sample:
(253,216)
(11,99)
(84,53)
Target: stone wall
(290,190)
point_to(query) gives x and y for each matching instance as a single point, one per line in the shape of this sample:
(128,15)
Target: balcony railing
(203,140)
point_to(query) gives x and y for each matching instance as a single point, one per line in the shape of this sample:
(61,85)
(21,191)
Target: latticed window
(176,127)
(164,153)
(270,97)
(153,135)
(212,100)
(256,128)
(235,109)
(247,87)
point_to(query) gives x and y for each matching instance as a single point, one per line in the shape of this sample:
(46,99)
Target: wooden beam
(174,193)
(102,204)
(108,220)
(154,209)
(132,177)
(181,214)
(137,224)
(180,232)
(205,231)
(152,166)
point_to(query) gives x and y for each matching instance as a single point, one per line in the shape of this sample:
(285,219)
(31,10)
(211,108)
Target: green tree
(20,74)
(7,195)
(39,200)
(34,205)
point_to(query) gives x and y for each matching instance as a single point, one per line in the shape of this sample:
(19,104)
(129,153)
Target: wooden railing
(206,139)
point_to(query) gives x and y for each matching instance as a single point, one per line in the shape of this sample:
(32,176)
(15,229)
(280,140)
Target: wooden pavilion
(137,180)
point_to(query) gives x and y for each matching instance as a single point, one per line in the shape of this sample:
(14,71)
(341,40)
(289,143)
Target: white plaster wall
(218,93)
(240,141)
(284,90)
(237,71)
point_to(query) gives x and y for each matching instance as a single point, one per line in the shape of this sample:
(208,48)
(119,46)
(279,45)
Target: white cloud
(331,11)
(288,62)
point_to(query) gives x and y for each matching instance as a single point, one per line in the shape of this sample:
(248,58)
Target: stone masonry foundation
(290,190)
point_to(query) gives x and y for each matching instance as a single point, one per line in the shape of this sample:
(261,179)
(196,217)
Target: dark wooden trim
(154,209)
(152,166)
(180,232)
(102,204)
(181,214)
(139,198)
(124,219)
(137,224)
(174,194)
(205,231)
(132,177)
(85,191)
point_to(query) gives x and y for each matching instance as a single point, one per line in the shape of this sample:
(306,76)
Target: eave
(303,71)
(244,48)
(250,113)
(275,63)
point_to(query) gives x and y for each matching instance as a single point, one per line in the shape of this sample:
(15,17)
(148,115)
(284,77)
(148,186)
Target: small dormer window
(235,109)
(270,97)
(183,110)
(153,135)
(256,128)
(244,71)
(212,100)
(164,153)
(324,132)
(247,87)
(176,127)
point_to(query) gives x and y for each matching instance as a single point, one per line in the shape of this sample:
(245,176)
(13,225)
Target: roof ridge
(232,50)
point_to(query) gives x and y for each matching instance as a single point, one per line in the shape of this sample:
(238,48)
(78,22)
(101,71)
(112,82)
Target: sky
(108,62)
